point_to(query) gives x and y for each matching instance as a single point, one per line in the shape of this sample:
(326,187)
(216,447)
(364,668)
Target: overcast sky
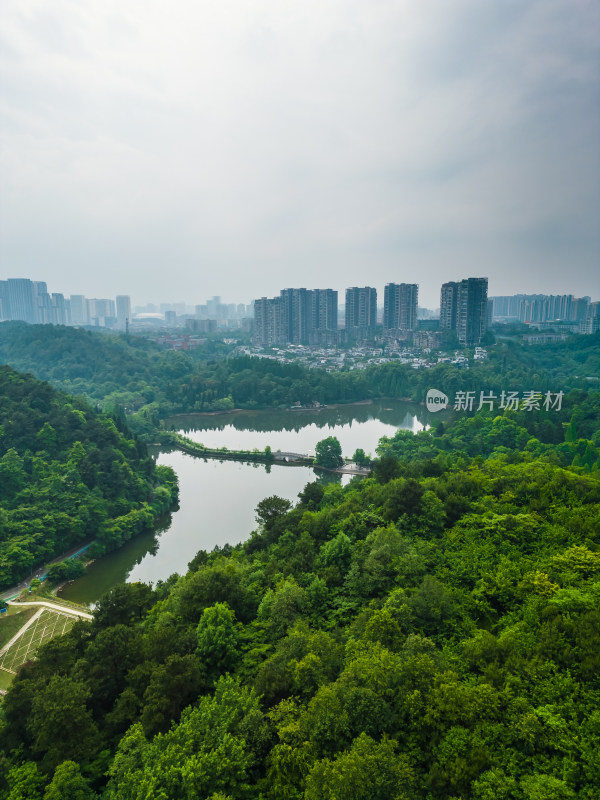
(173,151)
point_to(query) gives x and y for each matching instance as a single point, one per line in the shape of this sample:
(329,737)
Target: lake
(217,498)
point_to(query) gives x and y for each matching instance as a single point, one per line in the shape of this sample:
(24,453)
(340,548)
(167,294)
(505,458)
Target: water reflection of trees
(116,567)
(389,412)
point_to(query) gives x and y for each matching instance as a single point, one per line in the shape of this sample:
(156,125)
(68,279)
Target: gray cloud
(180,150)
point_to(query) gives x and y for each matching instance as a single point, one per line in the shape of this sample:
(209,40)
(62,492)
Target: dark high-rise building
(324,313)
(297,316)
(464,309)
(472,311)
(448,306)
(268,329)
(489,314)
(361,311)
(400,302)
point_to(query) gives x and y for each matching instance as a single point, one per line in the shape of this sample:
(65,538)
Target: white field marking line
(35,641)
(21,631)
(7,663)
(69,612)
(49,630)
(23,651)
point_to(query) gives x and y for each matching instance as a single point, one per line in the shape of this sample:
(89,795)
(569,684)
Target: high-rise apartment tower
(361,311)
(463,308)
(400,302)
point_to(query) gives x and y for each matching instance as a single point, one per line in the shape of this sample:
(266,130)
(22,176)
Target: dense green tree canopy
(431,631)
(67,475)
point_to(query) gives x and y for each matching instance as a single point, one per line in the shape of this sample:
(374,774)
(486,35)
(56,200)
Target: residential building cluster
(30,301)
(359,356)
(574,314)
(309,316)
(203,318)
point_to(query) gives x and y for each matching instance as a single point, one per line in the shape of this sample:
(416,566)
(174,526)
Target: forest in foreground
(429,633)
(68,475)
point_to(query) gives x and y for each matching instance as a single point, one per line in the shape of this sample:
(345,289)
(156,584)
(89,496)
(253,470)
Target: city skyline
(192,303)
(310,316)
(242,145)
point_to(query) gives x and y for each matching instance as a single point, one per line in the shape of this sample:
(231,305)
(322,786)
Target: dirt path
(67,610)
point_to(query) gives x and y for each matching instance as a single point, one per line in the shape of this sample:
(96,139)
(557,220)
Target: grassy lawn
(12,621)
(5,679)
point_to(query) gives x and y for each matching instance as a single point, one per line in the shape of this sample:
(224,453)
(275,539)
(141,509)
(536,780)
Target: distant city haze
(237,148)
(300,316)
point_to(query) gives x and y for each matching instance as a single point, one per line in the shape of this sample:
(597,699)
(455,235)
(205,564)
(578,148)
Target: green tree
(47,437)
(12,474)
(360,458)
(367,771)
(280,607)
(545,787)
(218,639)
(68,784)
(311,495)
(24,783)
(213,749)
(171,688)
(328,453)
(61,707)
(269,510)
(123,604)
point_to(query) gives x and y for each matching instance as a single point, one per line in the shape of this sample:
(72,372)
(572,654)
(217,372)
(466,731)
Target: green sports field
(45,626)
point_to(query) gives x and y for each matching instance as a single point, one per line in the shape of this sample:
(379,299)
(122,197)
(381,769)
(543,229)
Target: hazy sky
(177,150)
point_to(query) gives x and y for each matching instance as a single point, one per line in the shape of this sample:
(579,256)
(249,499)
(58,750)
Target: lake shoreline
(367,402)
(268,408)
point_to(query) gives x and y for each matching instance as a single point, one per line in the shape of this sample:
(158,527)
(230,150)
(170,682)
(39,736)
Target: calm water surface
(217,498)
(358,425)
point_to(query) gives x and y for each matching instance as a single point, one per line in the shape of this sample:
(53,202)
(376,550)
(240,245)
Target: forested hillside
(570,437)
(67,474)
(429,633)
(134,376)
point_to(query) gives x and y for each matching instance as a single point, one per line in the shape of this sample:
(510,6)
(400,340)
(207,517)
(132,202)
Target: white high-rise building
(123,309)
(79,310)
